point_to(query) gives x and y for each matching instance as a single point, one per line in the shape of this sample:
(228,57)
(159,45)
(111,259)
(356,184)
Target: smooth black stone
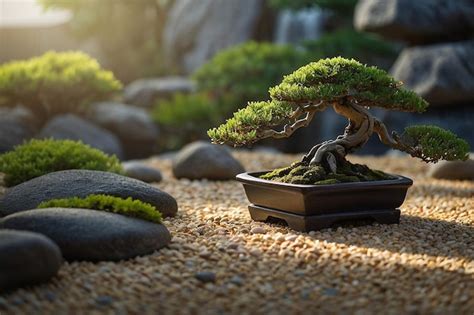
(81,183)
(26,258)
(84,234)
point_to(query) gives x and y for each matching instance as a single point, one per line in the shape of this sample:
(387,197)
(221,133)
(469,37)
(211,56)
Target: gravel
(425,265)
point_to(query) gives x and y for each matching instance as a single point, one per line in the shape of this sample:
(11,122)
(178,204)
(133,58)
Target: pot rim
(251,178)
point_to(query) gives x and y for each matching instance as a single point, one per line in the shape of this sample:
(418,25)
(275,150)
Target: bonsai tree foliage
(350,88)
(55,83)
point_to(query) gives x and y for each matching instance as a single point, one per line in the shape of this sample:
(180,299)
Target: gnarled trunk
(357,133)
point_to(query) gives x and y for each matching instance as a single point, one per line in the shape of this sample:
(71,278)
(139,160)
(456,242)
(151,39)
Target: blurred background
(187,65)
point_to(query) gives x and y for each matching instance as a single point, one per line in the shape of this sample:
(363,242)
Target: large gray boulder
(132,125)
(81,183)
(200,160)
(442,74)
(145,92)
(84,234)
(17,125)
(419,21)
(196,30)
(26,259)
(71,127)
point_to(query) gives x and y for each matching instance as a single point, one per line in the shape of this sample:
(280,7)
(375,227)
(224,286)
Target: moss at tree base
(303,173)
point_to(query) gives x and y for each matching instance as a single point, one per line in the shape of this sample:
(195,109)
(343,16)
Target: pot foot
(323,221)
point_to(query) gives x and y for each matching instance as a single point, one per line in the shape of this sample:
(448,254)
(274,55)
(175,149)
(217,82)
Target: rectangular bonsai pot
(313,200)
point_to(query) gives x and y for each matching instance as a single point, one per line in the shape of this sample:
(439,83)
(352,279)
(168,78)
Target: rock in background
(73,127)
(194,30)
(144,92)
(17,124)
(437,63)
(199,160)
(132,125)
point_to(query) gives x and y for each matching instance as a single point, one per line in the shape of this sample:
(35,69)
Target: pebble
(104,300)
(258,230)
(206,276)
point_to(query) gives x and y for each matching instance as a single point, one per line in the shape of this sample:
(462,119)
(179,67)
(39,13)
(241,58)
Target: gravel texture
(425,265)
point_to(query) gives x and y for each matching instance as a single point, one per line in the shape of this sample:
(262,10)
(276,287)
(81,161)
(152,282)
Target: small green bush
(348,43)
(128,207)
(39,157)
(55,83)
(244,72)
(184,118)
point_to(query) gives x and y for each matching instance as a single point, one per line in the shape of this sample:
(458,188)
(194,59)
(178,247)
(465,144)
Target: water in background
(293,26)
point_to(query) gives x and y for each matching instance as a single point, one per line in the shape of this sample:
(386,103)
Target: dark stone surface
(442,74)
(75,128)
(26,258)
(81,183)
(91,235)
(417,22)
(132,125)
(145,92)
(16,125)
(200,160)
(142,172)
(206,276)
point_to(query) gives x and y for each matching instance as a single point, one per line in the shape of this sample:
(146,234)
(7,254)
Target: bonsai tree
(55,83)
(350,88)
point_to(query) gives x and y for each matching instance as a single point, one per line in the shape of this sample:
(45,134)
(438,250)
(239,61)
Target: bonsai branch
(288,129)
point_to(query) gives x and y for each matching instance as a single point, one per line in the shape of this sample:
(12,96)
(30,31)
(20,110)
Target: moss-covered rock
(129,207)
(305,174)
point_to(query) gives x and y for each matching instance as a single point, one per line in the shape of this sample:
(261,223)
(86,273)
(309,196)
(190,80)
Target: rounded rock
(26,258)
(81,183)
(142,172)
(454,170)
(202,160)
(75,128)
(84,234)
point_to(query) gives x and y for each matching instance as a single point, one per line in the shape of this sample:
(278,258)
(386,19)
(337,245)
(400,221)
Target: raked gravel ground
(425,265)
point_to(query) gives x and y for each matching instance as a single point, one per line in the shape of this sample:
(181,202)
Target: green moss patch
(128,207)
(305,174)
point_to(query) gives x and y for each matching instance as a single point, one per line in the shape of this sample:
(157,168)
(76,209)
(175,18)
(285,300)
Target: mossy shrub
(55,83)
(128,207)
(244,72)
(184,118)
(39,157)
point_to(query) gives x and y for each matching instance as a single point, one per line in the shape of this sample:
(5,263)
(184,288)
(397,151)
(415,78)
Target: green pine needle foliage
(244,127)
(436,143)
(39,157)
(55,83)
(328,80)
(331,79)
(128,207)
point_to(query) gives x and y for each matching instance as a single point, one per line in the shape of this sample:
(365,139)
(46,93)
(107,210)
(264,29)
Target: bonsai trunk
(357,133)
